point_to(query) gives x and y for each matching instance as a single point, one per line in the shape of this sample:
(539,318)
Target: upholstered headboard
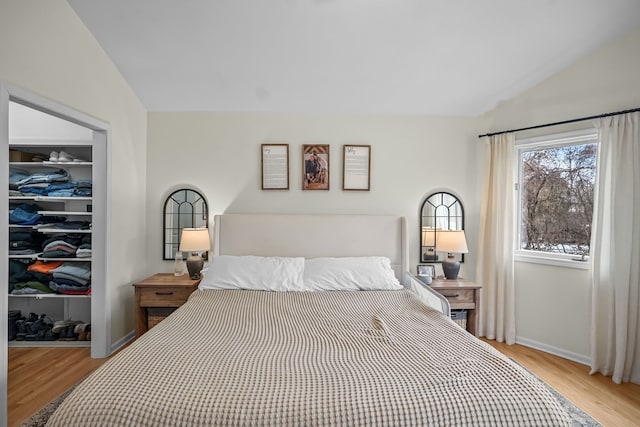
(313,236)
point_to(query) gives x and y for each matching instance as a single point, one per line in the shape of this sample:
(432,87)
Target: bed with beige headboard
(313,236)
(239,354)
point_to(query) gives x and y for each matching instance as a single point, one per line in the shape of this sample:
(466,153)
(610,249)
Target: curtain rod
(564,122)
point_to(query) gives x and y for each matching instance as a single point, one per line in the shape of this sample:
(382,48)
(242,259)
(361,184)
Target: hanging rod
(564,122)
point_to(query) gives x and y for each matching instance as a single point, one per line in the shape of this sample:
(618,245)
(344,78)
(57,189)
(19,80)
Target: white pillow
(349,273)
(254,272)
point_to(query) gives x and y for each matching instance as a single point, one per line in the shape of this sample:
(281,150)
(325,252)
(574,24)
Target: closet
(56,232)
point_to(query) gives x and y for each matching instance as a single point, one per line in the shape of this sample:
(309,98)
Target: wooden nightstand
(161,294)
(461,294)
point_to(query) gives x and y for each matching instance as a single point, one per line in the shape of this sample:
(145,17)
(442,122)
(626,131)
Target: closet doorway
(54,190)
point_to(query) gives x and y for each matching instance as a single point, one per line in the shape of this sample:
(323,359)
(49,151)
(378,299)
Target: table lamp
(429,243)
(452,242)
(195,240)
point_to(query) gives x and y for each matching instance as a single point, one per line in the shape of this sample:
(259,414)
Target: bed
(322,356)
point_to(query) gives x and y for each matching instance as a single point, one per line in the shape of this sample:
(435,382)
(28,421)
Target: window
(556,183)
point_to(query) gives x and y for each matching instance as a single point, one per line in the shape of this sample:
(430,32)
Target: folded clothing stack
(27,214)
(24,242)
(67,246)
(72,278)
(59,248)
(71,225)
(84,251)
(34,279)
(16,175)
(52,183)
(41,179)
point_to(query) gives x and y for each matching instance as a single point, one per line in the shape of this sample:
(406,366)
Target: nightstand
(462,295)
(158,296)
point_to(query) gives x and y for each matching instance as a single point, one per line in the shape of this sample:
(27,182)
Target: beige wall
(219,153)
(553,303)
(47,50)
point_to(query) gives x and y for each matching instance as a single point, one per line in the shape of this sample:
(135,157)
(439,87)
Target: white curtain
(615,254)
(495,249)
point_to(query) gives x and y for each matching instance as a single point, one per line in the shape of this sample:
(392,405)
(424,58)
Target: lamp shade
(195,240)
(428,236)
(452,241)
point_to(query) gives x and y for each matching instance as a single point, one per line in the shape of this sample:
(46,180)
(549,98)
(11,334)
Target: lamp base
(194,265)
(429,256)
(451,268)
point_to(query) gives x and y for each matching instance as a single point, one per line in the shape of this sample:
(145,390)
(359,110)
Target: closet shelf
(56,343)
(25,256)
(57,165)
(61,231)
(65,213)
(50,296)
(50,199)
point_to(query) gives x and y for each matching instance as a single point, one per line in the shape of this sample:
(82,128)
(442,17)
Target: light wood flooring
(38,375)
(609,403)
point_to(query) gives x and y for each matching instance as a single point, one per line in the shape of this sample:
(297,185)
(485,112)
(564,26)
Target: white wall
(553,303)
(45,48)
(219,153)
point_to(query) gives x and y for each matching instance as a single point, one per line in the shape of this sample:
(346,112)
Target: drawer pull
(164,293)
(452,296)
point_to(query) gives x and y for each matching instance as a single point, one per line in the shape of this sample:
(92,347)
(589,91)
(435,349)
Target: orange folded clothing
(44,266)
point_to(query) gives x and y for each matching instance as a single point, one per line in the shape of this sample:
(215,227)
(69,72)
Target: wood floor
(38,375)
(609,403)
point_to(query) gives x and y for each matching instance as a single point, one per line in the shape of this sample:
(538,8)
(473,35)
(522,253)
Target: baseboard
(580,358)
(122,341)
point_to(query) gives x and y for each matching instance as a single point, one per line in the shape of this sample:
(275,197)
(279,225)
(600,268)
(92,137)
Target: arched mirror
(440,211)
(184,208)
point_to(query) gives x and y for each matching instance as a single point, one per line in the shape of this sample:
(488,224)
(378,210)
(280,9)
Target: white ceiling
(427,57)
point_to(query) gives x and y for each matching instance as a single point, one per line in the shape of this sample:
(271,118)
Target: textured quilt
(308,358)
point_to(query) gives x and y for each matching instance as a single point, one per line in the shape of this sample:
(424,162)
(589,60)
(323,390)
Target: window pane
(557,188)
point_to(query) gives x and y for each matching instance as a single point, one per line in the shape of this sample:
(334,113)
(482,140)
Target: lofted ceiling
(424,57)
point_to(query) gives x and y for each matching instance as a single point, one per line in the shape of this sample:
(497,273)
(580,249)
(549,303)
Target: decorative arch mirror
(184,208)
(440,211)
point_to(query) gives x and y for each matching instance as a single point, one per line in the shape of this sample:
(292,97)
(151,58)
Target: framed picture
(315,167)
(428,270)
(356,167)
(275,166)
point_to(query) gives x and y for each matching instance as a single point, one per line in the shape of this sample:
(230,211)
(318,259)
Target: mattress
(308,358)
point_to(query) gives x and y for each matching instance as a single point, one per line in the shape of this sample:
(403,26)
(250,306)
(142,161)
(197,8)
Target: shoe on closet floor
(21,330)
(68,334)
(83,330)
(60,325)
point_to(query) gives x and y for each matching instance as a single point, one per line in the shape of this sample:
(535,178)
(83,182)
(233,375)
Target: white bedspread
(308,358)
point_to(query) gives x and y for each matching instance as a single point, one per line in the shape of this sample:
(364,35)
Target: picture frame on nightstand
(426,273)
(427,270)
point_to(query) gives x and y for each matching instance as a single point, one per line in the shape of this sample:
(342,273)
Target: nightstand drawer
(165,297)
(458,295)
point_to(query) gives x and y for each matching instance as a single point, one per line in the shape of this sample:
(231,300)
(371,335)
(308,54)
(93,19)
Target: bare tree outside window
(557,189)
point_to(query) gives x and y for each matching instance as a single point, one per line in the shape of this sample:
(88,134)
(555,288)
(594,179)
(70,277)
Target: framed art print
(356,167)
(275,166)
(315,167)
